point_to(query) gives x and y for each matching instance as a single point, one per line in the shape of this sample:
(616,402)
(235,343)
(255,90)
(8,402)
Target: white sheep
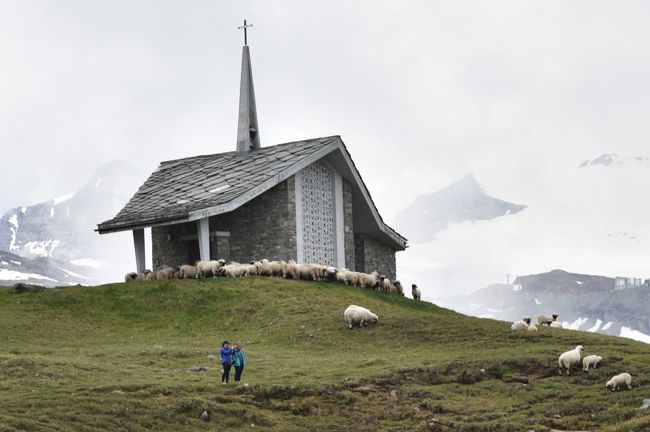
(556,324)
(278,268)
(591,360)
(569,359)
(532,328)
(239,270)
(165,273)
(522,324)
(368,280)
(313,272)
(188,272)
(351,277)
(151,276)
(415,291)
(618,381)
(330,273)
(263,267)
(385,284)
(291,271)
(142,276)
(547,319)
(341,276)
(130,277)
(357,315)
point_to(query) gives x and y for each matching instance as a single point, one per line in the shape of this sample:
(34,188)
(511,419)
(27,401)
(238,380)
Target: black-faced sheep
(399,288)
(130,277)
(357,315)
(415,292)
(547,319)
(620,380)
(569,359)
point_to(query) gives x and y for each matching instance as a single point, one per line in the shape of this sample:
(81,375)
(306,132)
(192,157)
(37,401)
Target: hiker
(239,361)
(226,361)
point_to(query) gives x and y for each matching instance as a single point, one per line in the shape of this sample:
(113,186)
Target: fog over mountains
(58,235)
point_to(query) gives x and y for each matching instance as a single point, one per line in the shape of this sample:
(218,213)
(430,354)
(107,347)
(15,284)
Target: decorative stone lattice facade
(317,215)
(372,255)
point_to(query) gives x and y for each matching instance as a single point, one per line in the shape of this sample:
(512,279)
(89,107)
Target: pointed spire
(248,136)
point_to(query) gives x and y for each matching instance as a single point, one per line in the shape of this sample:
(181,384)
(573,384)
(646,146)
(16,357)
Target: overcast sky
(422,92)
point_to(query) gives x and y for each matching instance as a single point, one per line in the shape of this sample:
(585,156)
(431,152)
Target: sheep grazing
(590,360)
(330,274)
(399,288)
(532,328)
(278,268)
(618,381)
(350,277)
(556,324)
(130,277)
(569,359)
(165,273)
(522,324)
(312,272)
(357,315)
(142,276)
(546,319)
(263,267)
(369,280)
(188,272)
(151,276)
(291,270)
(415,291)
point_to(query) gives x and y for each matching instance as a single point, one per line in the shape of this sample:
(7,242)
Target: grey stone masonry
(372,255)
(265,227)
(348,223)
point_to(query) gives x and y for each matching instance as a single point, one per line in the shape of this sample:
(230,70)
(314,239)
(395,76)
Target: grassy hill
(116,357)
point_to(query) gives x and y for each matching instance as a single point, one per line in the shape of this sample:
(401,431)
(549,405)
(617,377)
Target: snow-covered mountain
(62,228)
(608,159)
(463,200)
(45,271)
(584,302)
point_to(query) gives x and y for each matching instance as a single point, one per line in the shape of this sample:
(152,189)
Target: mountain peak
(463,200)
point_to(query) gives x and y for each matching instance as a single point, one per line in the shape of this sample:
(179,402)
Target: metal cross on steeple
(245,26)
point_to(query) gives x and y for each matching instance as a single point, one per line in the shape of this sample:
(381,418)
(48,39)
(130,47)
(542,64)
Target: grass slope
(111,358)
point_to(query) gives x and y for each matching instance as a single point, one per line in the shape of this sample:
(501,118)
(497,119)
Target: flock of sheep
(285,269)
(571,359)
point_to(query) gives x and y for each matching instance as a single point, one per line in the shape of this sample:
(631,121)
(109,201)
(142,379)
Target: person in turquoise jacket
(238,361)
(227,353)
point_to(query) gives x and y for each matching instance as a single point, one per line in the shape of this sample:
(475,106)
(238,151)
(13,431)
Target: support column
(203,227)
(138,244)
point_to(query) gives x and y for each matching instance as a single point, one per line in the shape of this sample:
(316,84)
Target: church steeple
(248,134)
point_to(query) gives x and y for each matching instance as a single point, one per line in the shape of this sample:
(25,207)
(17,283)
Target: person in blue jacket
(239,361)
(226,361)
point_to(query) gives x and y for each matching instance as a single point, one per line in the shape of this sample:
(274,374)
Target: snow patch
(537,302)
(98,182)
(579,282)
(4,262)
(13,220)
(13,275)
(15,262)
(86,262)
(62,198)
(575,325)
(516,287)
(67,211)
(23,210)
(595,327)
(41,248)
(630,333)
(607,326)
(51,212)
(71,273)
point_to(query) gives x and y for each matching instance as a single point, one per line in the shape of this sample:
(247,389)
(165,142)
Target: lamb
(569,359)
(357,315)
(130,277)
(618,381)
(532,328)
(522,324)
(415,291)
(590,360)
(546,319)
(556,324)
(188,272)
